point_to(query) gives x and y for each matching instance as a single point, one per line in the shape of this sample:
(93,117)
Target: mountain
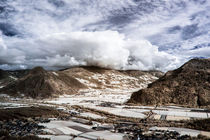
(7,77)
(78,80)
(188,85)
(41,83)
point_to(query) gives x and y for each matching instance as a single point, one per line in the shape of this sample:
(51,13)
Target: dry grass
(26,112)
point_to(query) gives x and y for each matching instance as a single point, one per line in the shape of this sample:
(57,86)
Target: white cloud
(101,48)
(120,34)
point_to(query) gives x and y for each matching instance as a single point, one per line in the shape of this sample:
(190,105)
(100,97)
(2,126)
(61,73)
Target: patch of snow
(13,77)
(86,82)
(182,113)
(127,113)
(53,137)
(5,105)
(59,124)
(176,118)
(56,74)
(91,115)
(139,110)
(106,135)
(115,82)
(68,131)
(4,95)
(148,78)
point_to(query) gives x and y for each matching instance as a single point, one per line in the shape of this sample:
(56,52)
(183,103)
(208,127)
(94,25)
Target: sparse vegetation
(26,112)
(4,135)
(200,124)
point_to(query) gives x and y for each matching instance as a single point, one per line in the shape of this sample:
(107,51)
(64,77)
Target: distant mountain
(188,85)
(78,80)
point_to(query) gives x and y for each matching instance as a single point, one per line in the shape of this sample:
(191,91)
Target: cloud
(101,48)
(117,34)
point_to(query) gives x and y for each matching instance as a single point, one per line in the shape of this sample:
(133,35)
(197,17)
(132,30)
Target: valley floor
(103,115)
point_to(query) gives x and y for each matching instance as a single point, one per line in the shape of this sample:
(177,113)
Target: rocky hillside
(7,77)
(108,79)
(188,85)
(41,83)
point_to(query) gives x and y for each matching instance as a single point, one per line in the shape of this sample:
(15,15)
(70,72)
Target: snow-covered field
(110,102)
(116,100)
(113,103)
(6,105)
(95,98)
(66,128)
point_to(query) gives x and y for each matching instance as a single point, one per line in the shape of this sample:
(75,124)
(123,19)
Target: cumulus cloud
(101,48)
(119,34)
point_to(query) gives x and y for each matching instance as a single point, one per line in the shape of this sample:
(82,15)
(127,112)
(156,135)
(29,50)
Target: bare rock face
(188,85)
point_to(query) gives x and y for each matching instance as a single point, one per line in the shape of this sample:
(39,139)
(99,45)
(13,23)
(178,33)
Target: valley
(105,116)
(104,70)
(99,107)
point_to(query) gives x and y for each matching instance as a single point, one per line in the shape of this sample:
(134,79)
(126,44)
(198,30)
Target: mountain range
(188,85)
(39,82)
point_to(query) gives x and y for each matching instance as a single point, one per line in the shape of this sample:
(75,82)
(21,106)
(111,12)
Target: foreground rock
(188,85)
(41,83)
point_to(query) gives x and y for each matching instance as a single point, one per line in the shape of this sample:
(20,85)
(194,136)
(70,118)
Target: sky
(118,34)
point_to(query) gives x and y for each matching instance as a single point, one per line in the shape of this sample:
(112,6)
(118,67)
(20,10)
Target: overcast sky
(119,34)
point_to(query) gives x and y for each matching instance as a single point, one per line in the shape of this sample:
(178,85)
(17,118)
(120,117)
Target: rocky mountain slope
(188,85)
(7,77)
(41,83)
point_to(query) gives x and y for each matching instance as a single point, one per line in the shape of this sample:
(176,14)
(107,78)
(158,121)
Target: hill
(188,85)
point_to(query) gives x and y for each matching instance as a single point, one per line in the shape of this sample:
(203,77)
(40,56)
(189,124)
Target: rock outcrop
(188,85)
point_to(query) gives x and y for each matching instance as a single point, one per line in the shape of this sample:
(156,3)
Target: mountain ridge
(44,84)
(188,85)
